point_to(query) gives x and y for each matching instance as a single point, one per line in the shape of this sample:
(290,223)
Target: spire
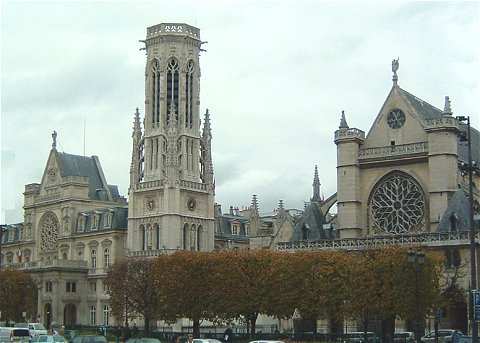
(316,186)
(343,122)
(280,205)
(54,140)
(254,206)
(207,130)
(136,166)
(395,66)
(137,130)
(447,110)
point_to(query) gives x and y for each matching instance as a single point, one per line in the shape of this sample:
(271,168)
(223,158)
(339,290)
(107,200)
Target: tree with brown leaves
(18,294)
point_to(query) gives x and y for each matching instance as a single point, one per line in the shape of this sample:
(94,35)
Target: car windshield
(58,339)
(38,327)
(20,333)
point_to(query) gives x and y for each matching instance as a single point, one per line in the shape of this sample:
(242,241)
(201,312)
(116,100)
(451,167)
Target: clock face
(396,119)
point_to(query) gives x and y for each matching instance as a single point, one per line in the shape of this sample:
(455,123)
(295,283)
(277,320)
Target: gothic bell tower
(171,178)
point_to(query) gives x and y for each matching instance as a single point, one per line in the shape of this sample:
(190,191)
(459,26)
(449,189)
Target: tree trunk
(147,326)
(388,329)
(253,322)
(196,328)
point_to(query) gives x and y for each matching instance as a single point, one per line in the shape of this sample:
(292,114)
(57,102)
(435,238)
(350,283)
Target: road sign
(476,303)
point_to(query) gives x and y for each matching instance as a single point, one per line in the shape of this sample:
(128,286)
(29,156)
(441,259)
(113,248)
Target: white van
(37,329)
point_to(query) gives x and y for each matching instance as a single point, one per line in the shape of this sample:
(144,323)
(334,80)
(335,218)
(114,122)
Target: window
(71,287)
(235,229)
(452,258)
(81,222)
(93,287)
(93,255)
(106,257)
(189,96)
(94,225)
(247,230)
(172,90)
(155,93)
(105,286)
(106,315)
(108,219)
(453,222)
(93,315)
(48,286)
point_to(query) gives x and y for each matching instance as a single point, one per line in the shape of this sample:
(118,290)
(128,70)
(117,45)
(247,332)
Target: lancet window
(172,88)
(155,92)
(189,95)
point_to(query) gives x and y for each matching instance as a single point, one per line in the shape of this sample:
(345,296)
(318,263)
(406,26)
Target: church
(404,182)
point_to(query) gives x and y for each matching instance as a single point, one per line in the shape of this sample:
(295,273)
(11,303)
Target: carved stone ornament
(52,173)
(150,204)
(49,228)
(191,204)
(397,205)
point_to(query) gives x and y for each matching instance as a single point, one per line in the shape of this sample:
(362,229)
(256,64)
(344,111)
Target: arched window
(453,222)
(93,257)
(189,95)
(106,315)
(155,93)
(185,237)
(157,236)
(172,89)
(193,236)
(93,315)
(106,257)
(199,238)
(143,235)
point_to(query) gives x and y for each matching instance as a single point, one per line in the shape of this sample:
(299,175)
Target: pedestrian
(227,335)
(134,330)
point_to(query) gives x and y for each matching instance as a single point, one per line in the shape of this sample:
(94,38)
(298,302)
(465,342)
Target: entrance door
(47,315)
(70,315)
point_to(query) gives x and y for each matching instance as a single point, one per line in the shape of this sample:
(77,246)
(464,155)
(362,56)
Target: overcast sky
(275,77)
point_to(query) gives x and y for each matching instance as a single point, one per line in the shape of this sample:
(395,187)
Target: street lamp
(473,268)
(417,259)
(2,227)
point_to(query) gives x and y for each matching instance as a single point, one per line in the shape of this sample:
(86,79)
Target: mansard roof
(458,210)
(312,220)
(118,219)
(11,233)
(76,165)
(223,227)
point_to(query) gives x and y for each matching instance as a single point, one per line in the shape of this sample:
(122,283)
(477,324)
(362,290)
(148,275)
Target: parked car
(207,340)
(404,337)
(89,339)
(359,337)
(266,341)
(19,335)
(444,336)
(37,329)
(143,340)
(4,334)
(49,339)
(21,325)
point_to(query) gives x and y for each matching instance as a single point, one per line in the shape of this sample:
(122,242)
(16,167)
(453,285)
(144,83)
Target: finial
(395,66)
(255,204)
(54,139)
(447,110)
(280,204)
(316,186)
(343,122)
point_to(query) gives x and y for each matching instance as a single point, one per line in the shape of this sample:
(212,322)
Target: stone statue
(395,66)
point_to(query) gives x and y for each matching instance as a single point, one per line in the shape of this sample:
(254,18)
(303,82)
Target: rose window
(49,231)
(397,205)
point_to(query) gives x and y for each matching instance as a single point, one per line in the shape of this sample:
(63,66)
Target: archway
(47,315)
(70,315)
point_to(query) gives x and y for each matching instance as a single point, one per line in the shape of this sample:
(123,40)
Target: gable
(416,112)
(51,175)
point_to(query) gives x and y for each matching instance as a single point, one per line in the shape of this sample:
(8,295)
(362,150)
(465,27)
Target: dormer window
(235,228)
(82,218)
(95,220)
(453,222)
(108,219)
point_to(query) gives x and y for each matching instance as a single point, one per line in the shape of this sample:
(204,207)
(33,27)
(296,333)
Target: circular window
(396,119)
(49,231)
(397,205)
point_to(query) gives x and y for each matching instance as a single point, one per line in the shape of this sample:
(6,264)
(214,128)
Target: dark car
(89,339)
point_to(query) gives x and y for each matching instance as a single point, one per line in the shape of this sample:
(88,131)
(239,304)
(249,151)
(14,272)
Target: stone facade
(171,197)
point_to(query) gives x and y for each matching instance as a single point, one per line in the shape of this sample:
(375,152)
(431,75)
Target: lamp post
(1,238)
(473,265)
(417,259)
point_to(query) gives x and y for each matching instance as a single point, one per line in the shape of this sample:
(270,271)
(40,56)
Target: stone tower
(171,203)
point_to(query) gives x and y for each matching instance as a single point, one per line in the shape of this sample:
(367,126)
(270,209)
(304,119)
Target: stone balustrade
(150,184)
(151,253)
(349,133)
(193,185)
(173,28)
(445,121)
(414,239)
(48,264)
(393,151)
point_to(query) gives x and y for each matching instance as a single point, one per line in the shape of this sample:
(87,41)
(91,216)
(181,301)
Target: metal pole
(417,315)
(1,237)
(473,264)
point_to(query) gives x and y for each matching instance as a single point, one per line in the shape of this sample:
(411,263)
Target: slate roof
(119,220)
(11,233)
(311,222)
(459,209)
(75,165)
(223,229)
(427,112)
